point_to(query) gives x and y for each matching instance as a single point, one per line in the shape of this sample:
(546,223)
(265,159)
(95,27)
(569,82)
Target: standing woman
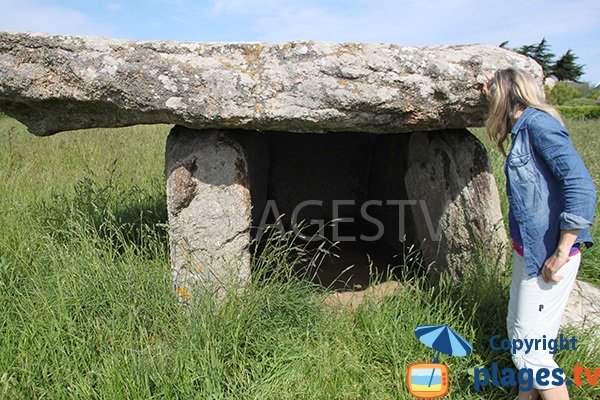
(552,201)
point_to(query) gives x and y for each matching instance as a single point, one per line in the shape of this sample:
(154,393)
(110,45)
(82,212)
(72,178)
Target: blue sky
(566,24)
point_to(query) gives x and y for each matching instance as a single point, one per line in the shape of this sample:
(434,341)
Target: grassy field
(86,305)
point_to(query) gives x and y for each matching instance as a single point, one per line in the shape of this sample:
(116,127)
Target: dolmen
(371,136)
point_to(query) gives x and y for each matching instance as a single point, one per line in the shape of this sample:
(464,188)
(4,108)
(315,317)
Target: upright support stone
(209,209)
(457,213)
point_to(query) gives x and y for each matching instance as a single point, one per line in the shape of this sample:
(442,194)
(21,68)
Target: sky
(566,24)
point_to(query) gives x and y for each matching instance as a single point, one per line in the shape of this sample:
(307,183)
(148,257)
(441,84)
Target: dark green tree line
(565,68)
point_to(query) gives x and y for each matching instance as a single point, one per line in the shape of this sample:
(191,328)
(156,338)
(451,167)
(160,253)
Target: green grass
(87,310)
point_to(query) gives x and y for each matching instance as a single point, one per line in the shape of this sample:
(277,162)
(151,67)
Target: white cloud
(114,7)
(248,7)
(558,19)
(417,22)
(172,2)
(27,15)
(565,23)
(413,21)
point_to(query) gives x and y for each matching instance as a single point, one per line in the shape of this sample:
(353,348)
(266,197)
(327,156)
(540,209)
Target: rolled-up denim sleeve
(552,142)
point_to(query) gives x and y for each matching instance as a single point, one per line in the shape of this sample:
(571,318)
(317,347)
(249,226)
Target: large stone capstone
(58,83)
(366,142)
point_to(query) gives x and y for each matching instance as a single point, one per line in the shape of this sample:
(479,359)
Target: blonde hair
(511,90)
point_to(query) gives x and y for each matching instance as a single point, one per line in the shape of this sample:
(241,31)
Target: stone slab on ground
(583,308)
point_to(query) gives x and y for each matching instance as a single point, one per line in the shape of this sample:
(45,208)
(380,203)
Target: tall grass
(87,309)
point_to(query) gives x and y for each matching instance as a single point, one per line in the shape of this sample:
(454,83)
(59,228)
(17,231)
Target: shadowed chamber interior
(314,179)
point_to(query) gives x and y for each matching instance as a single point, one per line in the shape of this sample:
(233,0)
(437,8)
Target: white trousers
(535,309)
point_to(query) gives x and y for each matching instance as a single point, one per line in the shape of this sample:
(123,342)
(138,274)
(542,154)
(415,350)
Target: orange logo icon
(427,380)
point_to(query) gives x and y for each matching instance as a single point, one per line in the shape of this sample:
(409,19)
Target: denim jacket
(549,187)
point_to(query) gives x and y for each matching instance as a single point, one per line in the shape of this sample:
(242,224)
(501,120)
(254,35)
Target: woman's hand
(560,256)
(553,264)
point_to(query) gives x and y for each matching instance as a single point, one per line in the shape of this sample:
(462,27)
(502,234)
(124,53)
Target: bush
(580,111)
(563,92)
(581,101)
(594,94)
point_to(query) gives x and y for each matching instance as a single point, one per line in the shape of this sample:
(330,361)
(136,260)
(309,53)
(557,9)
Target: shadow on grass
(130,217)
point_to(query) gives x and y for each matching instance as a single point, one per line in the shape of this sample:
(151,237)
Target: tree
(541,54)
(565,68)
